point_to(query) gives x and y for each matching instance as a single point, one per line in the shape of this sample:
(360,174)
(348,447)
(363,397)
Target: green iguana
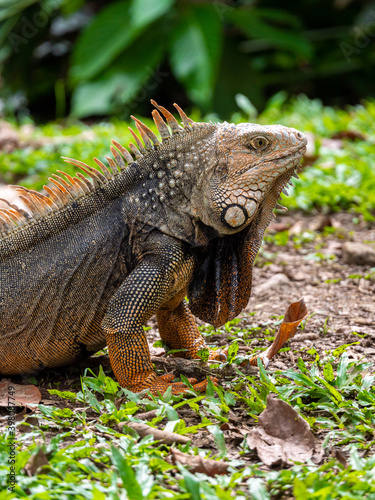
(95,259)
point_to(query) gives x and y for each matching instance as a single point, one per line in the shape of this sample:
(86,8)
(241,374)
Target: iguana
(91,262)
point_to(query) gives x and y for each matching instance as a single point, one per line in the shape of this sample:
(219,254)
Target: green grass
(89,459)
(340,177)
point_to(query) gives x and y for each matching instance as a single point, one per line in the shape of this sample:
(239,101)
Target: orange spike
(125,153)
(185,120)
(148,135)
(108,174)
(20,216)
(87,181)
(6,216)
(31,206)
(118,158)
(112,164)
(54,196)
(43,198)
(42,207)
(172,122)
(67,187)
(140,146)
(160,125)
(93,172)
(61,191)
(135,151)
(25,214)
(7,223)
(76,187)
(82,185)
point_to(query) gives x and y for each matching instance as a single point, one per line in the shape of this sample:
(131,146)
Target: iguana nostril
(300,135)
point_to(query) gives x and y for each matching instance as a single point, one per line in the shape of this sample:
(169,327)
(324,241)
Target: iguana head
(252,165)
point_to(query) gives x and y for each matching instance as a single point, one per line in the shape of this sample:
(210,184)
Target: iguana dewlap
(91,262)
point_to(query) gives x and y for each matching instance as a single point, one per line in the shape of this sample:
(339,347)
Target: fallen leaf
(283,436)
(349,134)
(147,415)
(28,423)
(18,395)
(295,313)
(35,462)
(339,455)
(198,464)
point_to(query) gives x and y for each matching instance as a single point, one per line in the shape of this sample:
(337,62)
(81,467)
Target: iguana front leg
(178,329)
(155,281)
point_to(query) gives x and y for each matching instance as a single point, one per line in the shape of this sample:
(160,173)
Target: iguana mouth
(270,200)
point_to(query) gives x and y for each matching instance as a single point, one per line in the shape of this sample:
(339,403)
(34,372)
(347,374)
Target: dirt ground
(331,288)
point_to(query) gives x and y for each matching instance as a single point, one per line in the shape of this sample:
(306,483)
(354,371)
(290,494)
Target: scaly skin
(93,261)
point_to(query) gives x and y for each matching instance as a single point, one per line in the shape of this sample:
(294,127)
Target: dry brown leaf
(295,313)
(349,134)
(198,464)
(146,430)
(20,395)
(28,423)
(35,462)
(283,436)
(147,415)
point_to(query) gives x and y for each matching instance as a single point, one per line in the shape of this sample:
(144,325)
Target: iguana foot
(160,384)
(218,355)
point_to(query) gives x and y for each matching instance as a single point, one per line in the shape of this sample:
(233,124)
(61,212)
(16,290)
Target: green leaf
(104,39)
(262,372)
(342,370)
(301,365)
(132,72)
(245,105)
(8,9)
(337,352)
(257,23)
(232,352)
(328,372)
(334,392)
(64,412)
(127,475)
(192,483)
(143,12)
(219,439)
(300,377)
(110,386)
(63,394)
(204,354)
(258,489)
(195,51)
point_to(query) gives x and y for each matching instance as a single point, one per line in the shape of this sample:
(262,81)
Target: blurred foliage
(338,173)
(108,58)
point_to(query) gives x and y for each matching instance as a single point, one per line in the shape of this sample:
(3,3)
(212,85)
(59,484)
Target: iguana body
(96,259)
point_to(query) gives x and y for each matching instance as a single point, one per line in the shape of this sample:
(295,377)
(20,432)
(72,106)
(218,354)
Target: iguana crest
(64,191)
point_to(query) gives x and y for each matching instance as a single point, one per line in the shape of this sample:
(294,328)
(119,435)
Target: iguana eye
(259,143)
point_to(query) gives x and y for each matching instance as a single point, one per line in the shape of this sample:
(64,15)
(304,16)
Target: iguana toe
(218,355)
(158,385)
